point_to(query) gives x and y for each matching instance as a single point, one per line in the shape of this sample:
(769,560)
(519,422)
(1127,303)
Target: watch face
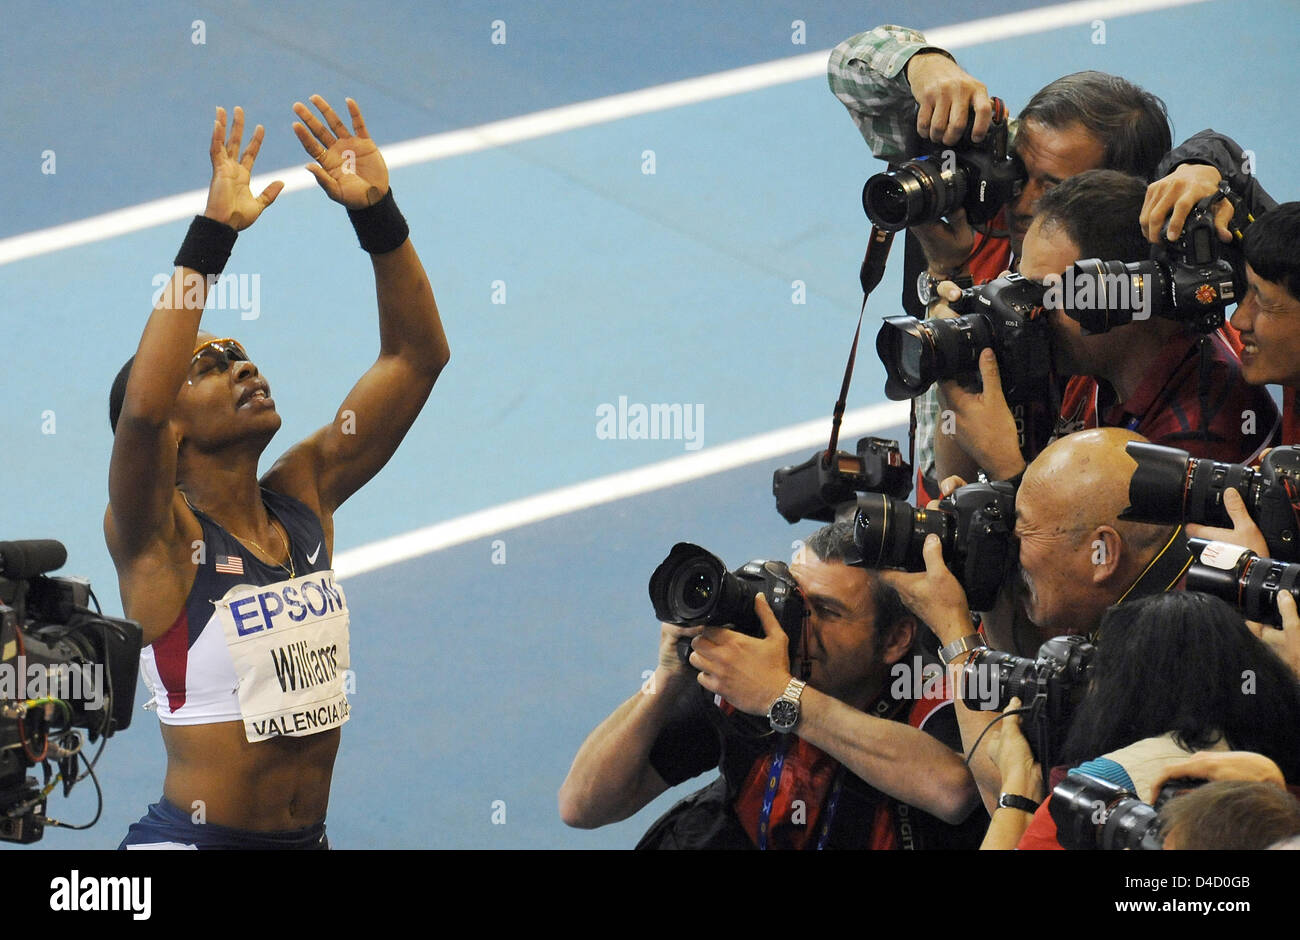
(925,288)
(784,715)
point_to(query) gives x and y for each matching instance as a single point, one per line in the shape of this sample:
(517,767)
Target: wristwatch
(784,713)
(927,282)
(966,644)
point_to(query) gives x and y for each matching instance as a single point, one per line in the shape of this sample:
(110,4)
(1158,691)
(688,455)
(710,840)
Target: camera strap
(869,275)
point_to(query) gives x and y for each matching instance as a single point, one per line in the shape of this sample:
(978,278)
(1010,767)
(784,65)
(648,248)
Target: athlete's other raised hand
(348,164)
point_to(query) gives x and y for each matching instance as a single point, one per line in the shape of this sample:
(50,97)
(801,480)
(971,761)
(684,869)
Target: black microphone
(31,557)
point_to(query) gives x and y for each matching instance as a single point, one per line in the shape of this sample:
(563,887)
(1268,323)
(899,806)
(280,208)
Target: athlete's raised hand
(229,198)
(348,164)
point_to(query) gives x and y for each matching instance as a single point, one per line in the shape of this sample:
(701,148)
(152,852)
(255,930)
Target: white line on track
(806,436)
(569,117)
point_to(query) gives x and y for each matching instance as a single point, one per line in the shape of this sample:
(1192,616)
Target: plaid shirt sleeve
(866,72)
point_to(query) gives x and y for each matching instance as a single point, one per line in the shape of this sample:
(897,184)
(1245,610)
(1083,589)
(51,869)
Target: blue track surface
(476,682)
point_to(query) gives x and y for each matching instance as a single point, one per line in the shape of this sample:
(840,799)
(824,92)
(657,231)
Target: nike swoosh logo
(311,559)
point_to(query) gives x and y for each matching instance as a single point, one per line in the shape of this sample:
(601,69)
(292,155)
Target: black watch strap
(1012,801)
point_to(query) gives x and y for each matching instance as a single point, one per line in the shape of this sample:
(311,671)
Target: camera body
(1005,314)
(692,586)
(974,526)
(62,667)
(980,178)
(1189,280)
(1051,686)
(1171,486)
(816,488)
(1242,578)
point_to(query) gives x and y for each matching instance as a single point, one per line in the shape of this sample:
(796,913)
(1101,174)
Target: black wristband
(381,227)
(1014,801)
(207,245)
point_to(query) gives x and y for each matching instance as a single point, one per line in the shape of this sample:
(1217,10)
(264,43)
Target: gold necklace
(284,537)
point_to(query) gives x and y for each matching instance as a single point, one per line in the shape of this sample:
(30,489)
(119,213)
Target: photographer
(1230,815)
(862,768)
(1077,558)
(1268,317)
(1167,682)
(223,569)
(906,96)
(1148,375)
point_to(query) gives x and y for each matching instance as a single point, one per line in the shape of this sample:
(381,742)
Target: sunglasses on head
(215,355)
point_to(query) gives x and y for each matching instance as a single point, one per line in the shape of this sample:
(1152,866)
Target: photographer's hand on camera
(1244,531)
(934,595)
(1284,642)
(749,672)
(1222,765)
(945,94)
(611,777)
(1170,200)
(1021,776)
(671,669)
(947,243)
(937,597)
(982,427)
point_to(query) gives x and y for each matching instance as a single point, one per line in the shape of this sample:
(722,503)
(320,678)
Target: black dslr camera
(1170,486)
(980,178)
(62,667)
(974,526)
(815,488)
(1006,314)
(1245,580)
(1189,280)
(692,587)
(1091,813)
(1051,687)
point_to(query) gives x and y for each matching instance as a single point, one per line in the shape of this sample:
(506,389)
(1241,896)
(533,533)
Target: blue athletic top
(255,641)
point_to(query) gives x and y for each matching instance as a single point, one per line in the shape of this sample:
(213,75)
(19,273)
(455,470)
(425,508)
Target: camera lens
(1169,486)
(918,353)
(688,586)
(991,679)
(890,533)
(1242,578)
(692,590)
(1157,490)
(918,191)
(885,200)
(1102,295)
(906,347)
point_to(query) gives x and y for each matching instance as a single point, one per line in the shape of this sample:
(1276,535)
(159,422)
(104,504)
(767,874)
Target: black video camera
(1242,578)
(1170,486)
(974,526)
(62,666)
(1188,280)
(1051,687)
(980,178)
(692,587)
(817,487)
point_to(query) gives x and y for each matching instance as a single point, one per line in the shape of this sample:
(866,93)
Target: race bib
(289,645)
